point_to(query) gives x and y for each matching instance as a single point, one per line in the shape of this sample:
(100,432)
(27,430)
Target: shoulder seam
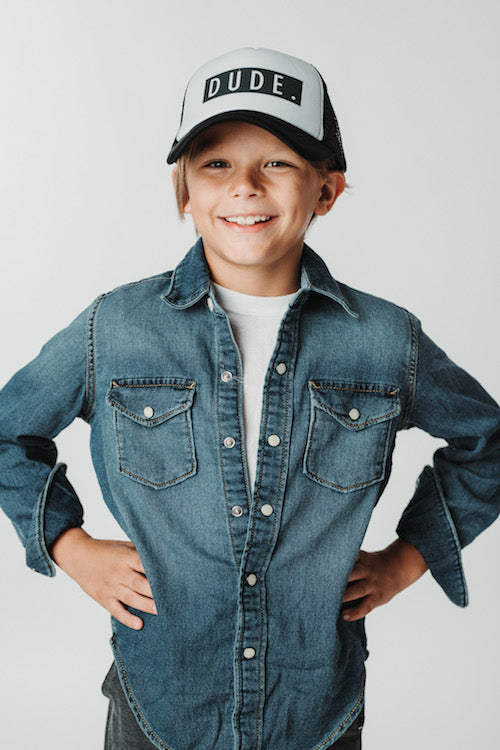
(412,370)
(164,275)
(90,379)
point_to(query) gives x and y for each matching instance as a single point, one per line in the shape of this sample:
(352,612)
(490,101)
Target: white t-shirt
(255,322)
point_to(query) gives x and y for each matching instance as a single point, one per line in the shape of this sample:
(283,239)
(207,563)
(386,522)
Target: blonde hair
(181,188)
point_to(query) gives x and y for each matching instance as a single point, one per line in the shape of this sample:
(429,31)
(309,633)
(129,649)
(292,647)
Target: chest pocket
(350,431)
(153,426)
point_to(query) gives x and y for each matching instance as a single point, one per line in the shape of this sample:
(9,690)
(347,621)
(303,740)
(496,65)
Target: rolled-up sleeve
(459,495)
(37,403)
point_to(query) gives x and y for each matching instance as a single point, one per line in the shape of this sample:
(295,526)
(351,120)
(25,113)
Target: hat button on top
(354,414)
(148,412)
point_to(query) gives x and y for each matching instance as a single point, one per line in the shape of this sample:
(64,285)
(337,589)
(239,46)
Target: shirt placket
(254,522)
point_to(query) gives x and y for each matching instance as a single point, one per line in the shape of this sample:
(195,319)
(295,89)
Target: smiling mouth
(247,221)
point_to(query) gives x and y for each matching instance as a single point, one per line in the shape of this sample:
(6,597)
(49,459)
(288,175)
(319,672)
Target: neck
(260,282)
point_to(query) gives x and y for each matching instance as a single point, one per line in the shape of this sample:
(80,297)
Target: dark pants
(123,731)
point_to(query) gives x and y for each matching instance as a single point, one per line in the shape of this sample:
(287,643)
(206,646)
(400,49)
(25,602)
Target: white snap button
(354,414)
(267,510)
(252,579)
(210,304)
(249,653)
(281,368)
(227,376)
(237,511)
(274,440)
(229,442)
(148,412)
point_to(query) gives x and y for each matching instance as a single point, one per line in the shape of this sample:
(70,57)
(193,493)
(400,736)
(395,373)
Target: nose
(245,183)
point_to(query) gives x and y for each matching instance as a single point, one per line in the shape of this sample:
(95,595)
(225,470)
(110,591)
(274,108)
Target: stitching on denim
(278,491)
(90,385)
(152,385)
(379,418)
(412,367)
(355,390)
(148,481)
(453,531)
(224,488)
(41,513)
(325,481)
(175,410)
(322,744)
(133,699)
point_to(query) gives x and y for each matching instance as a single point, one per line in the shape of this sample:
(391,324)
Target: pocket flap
(356,405)
(151,401)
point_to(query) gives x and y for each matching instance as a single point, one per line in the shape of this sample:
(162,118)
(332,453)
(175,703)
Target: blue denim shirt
(248,650)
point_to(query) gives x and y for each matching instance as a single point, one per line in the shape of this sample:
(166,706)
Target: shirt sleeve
(37,403)
(459,495)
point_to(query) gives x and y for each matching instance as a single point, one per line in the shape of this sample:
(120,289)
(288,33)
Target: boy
(238,605)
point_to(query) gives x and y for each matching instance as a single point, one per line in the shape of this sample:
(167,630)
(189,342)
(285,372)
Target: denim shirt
(248,650)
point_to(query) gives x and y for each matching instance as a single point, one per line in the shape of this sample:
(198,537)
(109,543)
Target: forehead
(237,134)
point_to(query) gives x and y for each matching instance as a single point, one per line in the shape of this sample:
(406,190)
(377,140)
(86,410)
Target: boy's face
(245,173)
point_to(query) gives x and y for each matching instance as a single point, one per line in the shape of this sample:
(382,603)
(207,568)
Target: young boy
(243,410)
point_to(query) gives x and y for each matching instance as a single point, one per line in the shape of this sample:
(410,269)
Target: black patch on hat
(253,81)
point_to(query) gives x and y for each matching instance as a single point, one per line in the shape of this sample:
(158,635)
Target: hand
(378,576)
(108,571)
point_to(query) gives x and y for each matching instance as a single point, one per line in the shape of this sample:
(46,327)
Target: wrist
(64,547)
(409,562)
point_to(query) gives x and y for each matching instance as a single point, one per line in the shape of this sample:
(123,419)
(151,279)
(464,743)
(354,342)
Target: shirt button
(249,653)
(227,376)
(281,368)
(210,304)
(274,440)
(354,414)
(237,511)
(252,579)
(229,442)
(148,411)
(267,509)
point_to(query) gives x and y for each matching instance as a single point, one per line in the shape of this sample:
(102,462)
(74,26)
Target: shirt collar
(190,280)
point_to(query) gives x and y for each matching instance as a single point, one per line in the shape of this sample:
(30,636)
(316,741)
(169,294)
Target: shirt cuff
(428,525)
(58,508)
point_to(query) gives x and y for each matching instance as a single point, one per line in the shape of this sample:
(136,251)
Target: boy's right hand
(109,571)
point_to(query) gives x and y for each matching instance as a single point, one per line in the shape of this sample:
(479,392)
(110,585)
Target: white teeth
(246,220)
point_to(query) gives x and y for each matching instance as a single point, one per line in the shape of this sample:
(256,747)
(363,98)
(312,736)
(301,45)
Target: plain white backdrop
(90,99)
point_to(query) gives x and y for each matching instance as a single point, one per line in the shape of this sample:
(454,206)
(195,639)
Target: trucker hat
(275,91)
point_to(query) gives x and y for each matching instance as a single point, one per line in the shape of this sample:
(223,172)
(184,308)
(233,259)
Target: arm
(459,495)
(455,499)
(37,403)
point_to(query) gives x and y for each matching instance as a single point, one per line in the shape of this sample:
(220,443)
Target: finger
(122,614)
(137,601)
(358,611)
(138,582)
(135,562)
(355,591)
(357,572)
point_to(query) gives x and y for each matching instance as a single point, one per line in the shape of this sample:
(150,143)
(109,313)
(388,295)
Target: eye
(217,164)
(276,163)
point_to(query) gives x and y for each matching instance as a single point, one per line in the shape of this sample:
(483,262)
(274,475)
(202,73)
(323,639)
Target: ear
(333,186)
(187,207)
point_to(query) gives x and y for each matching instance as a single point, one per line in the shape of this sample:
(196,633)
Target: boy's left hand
(378,576)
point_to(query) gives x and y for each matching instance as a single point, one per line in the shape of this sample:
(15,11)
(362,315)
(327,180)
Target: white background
(90,101)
